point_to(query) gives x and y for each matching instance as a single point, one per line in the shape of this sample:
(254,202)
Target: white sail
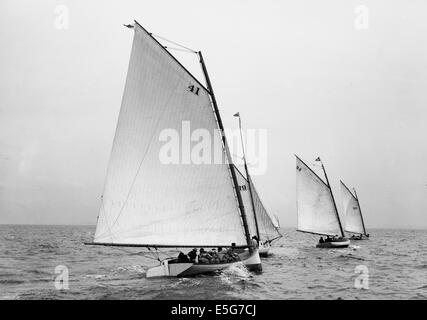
(146,201)
(315,207)
(276,221)
(266,227)
(353,215)
(247,202)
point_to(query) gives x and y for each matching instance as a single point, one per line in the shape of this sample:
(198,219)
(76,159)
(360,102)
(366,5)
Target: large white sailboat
(316,208)
(149,203)
(353,214)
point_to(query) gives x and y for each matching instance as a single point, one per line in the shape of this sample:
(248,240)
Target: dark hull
(334,244)
(359,239)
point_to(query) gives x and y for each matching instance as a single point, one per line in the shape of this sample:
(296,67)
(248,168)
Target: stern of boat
(264,249)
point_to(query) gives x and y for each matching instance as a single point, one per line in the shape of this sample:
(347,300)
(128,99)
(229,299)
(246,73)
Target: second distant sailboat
(353,214)
(316,208)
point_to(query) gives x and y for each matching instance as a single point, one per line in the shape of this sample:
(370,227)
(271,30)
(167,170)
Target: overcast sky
(302,70)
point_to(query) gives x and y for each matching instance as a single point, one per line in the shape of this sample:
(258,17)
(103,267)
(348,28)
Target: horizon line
(94,225)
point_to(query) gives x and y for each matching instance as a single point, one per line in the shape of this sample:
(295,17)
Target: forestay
(315,207)
(145,200)
(353,214)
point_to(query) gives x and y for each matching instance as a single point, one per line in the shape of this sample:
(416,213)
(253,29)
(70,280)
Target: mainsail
(149,202)
(353,214)
(315,205)
(266,227)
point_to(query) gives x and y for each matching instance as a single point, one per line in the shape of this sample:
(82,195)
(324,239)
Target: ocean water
(394,265)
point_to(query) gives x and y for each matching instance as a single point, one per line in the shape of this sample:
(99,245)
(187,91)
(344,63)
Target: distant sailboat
(353,214)
(147,203)
(259,221)
(317,212)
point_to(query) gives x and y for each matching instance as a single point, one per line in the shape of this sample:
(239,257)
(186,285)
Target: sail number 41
(194,89)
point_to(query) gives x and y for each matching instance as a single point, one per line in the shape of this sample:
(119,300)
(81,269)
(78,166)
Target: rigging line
(166,254)
(141,253)
(175,43)
(145,153)
(178,49)
(155,254)
(149,257)
(106,221)
(149,249)
(158,252)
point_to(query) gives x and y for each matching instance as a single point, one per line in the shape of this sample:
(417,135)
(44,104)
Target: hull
(341,243)
(357,238)
(168,268)
(264,249)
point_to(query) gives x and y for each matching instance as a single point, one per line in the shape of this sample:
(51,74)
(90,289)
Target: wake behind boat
(316,209)
(153,203)
(353,214)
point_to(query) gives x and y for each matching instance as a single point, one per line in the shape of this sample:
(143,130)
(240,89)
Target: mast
(227,151)
(332,196)
(360,209)
(249,178)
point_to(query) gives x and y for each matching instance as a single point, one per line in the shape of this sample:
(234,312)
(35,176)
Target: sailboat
(353,214)
(259,221)
(152,202)
(316,208)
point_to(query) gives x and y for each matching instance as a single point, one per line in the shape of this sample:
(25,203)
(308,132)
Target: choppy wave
(393,260)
